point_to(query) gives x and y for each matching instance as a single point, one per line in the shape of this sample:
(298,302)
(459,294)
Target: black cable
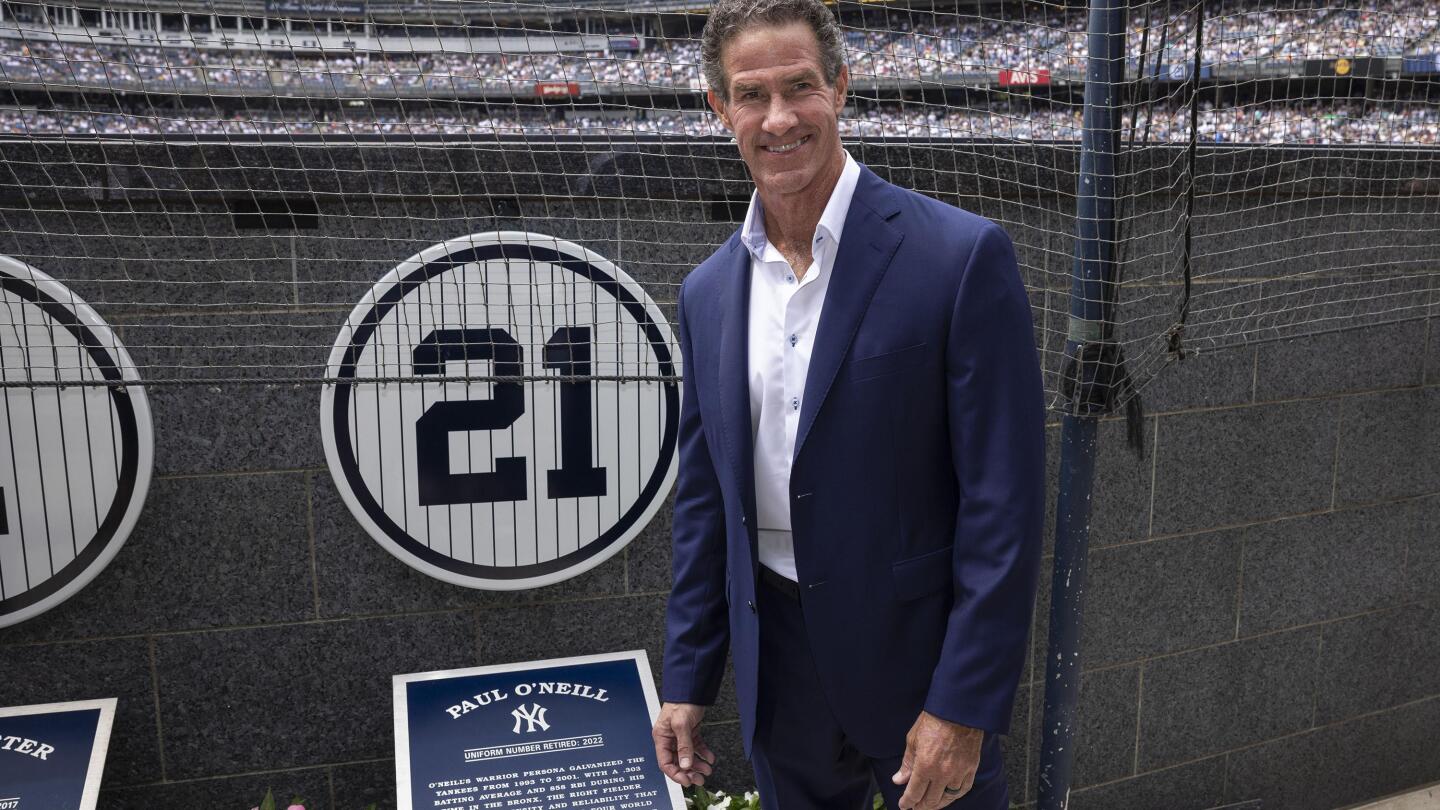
(1173,345)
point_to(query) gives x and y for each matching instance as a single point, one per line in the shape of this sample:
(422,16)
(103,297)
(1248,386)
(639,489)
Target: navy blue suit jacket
(916,487)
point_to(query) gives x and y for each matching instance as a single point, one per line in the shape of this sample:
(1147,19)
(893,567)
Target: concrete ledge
(1426,798)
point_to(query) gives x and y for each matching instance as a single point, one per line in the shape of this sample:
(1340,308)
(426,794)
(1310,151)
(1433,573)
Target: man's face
(785,118)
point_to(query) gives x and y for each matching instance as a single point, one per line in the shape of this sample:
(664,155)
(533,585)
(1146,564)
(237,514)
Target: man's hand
(682,754)
(938,755)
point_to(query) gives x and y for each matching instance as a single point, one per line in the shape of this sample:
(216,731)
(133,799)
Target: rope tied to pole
(1095,382)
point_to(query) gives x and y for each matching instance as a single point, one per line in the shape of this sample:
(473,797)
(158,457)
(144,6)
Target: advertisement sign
(80,455)
(1344,67)
(507,413)
(558,89)
(1018,77)
(315,8)
(1176,71)
(1421,63)
(562,733)
(52,755)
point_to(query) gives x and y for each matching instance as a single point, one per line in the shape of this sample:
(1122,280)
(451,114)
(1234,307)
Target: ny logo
(534,717)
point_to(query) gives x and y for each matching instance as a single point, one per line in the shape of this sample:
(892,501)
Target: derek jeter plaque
(563,733)
(52,755)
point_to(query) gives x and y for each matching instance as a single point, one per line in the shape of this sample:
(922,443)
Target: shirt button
(795,403)
(794,339)
(790,279)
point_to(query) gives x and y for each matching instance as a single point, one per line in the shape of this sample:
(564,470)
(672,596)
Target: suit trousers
(801,756)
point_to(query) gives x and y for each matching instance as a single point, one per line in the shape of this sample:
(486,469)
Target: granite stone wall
(1262,604)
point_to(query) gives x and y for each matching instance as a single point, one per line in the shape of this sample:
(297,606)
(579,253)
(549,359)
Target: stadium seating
(1315,122)
(926,52)
(79,87)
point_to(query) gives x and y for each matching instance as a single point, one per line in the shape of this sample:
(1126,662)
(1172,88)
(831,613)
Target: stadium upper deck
(230,55)
(460,13)
(173,73)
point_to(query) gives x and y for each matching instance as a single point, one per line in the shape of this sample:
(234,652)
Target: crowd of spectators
(1313,122)
(917,46)
(673,65)
(1299,29)
(1375,28)
(936,45)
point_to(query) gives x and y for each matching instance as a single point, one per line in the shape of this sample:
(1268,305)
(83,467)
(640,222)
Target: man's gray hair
(728,18)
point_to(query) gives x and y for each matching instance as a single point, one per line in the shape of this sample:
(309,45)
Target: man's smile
(786,147)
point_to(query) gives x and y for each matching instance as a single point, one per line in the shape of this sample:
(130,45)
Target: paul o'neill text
(491,696)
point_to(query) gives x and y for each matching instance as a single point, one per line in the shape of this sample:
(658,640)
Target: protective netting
(224,181)
(461,227)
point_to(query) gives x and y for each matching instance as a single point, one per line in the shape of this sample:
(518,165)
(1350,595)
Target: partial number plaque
(561,734)
(546,466)
(75,458)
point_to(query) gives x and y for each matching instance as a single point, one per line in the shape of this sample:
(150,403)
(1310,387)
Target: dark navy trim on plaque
(371,321)
(129,444)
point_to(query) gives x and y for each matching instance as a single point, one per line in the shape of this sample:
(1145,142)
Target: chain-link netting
(289,193)
(188,159)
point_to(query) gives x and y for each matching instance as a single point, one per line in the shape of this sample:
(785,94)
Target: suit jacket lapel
(734,371)
(867,245)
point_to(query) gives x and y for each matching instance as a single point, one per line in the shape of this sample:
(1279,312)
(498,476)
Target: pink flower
(296,807)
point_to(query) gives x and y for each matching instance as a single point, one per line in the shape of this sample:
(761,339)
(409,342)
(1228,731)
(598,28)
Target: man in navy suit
(859,499)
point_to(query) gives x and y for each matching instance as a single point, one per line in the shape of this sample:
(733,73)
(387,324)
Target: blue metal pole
(1091,297)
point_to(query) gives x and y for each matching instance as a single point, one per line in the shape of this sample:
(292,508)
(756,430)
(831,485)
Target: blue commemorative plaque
(561,734)
(52,755)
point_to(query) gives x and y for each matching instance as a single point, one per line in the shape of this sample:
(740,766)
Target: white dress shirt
(784,313)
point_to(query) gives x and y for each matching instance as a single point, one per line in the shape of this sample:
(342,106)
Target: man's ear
(719,107)
(842,83)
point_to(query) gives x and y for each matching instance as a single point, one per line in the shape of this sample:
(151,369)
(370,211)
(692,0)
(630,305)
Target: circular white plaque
(75,460)
(511,483)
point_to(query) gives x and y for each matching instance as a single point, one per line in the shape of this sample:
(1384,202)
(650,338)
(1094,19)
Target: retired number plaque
(550,735)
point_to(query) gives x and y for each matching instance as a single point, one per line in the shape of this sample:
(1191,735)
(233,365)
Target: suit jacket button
(750,604)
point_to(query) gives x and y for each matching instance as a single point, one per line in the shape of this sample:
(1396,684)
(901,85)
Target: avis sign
(1012,78)
(487,426)
(563,89)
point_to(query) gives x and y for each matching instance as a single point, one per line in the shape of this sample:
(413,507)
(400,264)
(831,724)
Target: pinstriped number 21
(567,352)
